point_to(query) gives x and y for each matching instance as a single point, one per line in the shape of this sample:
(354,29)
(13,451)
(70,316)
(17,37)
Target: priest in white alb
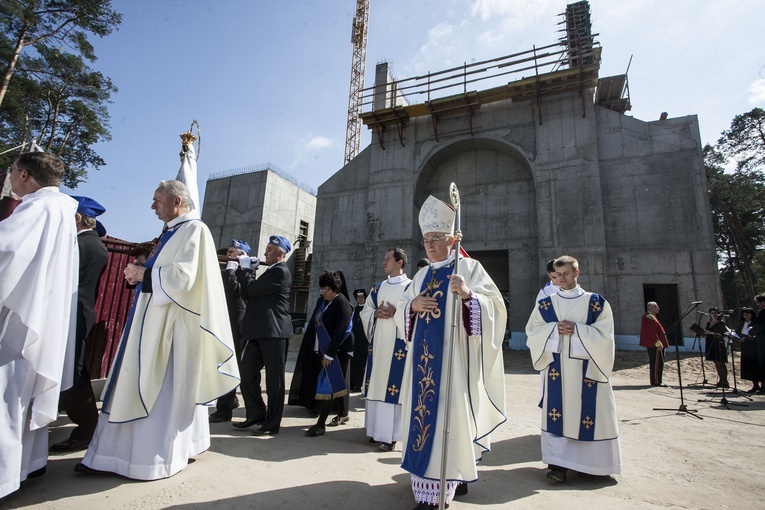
(176,353)
(387,353)
(570,335)
(39,264)
(477,404)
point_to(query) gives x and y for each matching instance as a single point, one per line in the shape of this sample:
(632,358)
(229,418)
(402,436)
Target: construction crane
(358,66)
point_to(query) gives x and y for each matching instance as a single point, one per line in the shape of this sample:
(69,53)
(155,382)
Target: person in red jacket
(652,337)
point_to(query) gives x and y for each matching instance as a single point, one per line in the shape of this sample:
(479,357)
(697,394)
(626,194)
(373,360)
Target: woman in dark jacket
(332,323)
(750,362)
(716,349)
(308,364)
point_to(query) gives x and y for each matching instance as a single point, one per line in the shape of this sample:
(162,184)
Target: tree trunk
(12,64)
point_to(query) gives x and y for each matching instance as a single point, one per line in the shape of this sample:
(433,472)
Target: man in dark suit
(79,402)
(266,330)
(236,307)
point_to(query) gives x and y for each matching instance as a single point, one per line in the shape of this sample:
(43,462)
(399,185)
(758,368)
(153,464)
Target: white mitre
(436,216)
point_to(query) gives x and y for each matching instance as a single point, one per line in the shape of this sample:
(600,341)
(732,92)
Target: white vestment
(547,290)
(39,264)
(383,408)
(580,431)
(478,387)
(176,355)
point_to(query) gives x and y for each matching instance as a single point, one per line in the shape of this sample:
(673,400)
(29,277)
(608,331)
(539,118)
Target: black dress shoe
(264,432)
(247,423)
(556,475)
(82,468)
(428,506)
(216,418)
(37,472)
(70,445)
(461,490)
(315,430)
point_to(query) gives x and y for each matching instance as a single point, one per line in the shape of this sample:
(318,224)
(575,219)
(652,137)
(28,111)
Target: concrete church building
(254,203)
(546,164)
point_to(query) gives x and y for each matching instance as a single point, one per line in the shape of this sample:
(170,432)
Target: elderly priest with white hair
(176,353)
(477,406)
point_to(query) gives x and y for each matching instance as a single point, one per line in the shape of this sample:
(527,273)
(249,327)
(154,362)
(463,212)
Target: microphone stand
(735,391)
(723,401)
(683,408)
(704,381)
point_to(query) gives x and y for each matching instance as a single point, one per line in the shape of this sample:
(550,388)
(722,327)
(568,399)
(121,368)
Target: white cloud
(318,142)
(757,92)
(443,39)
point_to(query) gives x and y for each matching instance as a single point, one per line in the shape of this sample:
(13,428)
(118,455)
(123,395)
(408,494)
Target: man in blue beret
(224,407)
(266,330)
(79,402)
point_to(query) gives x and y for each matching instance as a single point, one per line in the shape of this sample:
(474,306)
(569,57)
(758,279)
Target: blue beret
(89,207)
(240,245)
(86,206)
(281,242)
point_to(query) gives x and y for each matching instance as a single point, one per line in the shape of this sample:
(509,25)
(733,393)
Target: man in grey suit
(266,330)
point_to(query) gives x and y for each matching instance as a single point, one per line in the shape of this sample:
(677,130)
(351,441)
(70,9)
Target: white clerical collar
(442,263)
(191,215)
(550,289)
(570,294)
(84,230)
(47,189)
(397,279)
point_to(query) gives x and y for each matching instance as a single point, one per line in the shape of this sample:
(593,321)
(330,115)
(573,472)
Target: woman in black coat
(716,349)
(308,364)
(334,342)
(751,370)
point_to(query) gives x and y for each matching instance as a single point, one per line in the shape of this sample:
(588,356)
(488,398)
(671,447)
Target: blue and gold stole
(149,264)
(554,383)
(427,351)
(331,383)
(396,366)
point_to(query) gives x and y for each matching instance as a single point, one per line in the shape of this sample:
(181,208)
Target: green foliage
(744,142)
(737,199)
(47,91)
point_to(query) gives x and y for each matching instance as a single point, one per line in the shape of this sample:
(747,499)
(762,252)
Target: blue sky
(268,80)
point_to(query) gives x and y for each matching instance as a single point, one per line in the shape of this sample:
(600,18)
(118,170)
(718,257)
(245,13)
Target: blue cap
(240,245)
(86,206)
(281,242)
(89,207)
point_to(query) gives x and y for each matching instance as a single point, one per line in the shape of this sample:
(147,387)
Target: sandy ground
(671,459)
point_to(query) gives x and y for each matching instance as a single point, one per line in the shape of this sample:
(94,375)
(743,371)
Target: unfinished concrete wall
(254,206)
(572,184)
(658,226)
